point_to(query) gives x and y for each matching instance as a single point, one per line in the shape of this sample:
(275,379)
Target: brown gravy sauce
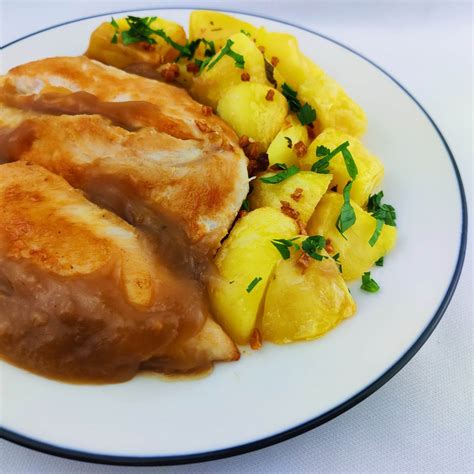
(81,330)
(130,115)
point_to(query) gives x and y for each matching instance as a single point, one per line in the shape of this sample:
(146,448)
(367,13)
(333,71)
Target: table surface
(421,420)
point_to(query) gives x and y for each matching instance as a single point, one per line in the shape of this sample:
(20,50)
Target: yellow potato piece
(247,110)
(279,151)
(212,84)
(356,255)
(247,254)
(333,106)
(370,168)
(301,306)
(217,27)
(313,186)
(119,55)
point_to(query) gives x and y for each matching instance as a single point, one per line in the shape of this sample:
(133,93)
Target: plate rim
(354,400)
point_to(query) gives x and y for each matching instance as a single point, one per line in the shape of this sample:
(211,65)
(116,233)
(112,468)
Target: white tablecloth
(421,420)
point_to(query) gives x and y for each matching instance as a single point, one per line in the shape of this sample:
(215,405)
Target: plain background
(422,419)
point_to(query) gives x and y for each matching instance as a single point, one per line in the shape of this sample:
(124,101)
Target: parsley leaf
(281,176)
(291,96)
(246,33)
(338,263)
(246,205)
(369,284)
(281,166)
(115,25)
(312,245)
(326,155)
(289,142)
(383,214)
(227,50)
(347,216)
(269,72)
(379,262)
(253,284)
(284,246)
(306,114)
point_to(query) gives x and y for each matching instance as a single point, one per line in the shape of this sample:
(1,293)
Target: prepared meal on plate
(167,197)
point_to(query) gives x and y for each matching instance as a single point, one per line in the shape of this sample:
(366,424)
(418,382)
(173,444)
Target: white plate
(278,392)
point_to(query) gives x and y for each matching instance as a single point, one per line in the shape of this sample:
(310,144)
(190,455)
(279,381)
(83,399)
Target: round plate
(277,392)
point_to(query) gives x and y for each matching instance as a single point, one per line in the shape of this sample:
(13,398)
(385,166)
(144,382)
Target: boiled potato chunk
(245,255)
(212,84)
(217,27)
(370,167)
(311,185)
(356,255)
(333,106)
(119,55)
(279,151)
(304,305)
(245,108)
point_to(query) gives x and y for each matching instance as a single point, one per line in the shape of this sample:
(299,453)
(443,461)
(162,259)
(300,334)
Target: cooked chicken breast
(141,148)
(84,296)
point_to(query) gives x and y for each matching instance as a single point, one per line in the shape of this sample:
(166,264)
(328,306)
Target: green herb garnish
(313,245)
(338,263)
(379,262)
(325,155)
(383,214)
(253,284)
(281,176)
(306,115)
(284,246)
(246,205)
(246,33)
(227,51)
(115,25)
(269,72)
(369,284)
(289,142)
(347,216)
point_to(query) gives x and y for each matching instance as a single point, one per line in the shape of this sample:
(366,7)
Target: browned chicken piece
(139,147)
(84,296)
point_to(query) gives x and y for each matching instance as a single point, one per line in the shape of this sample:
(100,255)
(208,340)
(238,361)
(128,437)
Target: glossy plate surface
(277,392)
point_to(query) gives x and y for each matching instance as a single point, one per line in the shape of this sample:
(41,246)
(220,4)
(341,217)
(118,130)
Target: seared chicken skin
(83,295)
(141,148)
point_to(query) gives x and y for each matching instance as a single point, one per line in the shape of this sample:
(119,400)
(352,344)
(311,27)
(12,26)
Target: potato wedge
(217,27)
(370,168)
(356,255)
(245,255)
(245,108)
(302,191)
(213,83)
(304,305)
(119,55)
(281,149)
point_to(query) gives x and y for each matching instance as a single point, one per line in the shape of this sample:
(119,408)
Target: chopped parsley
(115,25)
(269,72)
(289,142)
(253,284)
(383,214)
(379,262)
(305,113)
(281,166)
(369,284)
(246,205)
(338,263)
(313,245)
(325,155)
(227,51)
(281,176)
(246,33)
(347,216)
(284,246)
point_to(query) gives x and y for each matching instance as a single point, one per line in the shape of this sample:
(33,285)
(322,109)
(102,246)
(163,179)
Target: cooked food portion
(361,245)
(245,263)
(83,295)
(184,182)
(370,168)
(304,305)
(113,43)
